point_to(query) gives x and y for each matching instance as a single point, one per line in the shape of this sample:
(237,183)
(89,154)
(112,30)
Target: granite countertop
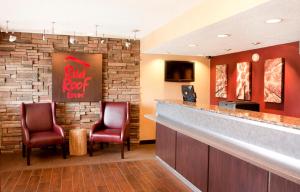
(281,120)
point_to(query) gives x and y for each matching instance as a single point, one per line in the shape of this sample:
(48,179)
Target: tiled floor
(105,171)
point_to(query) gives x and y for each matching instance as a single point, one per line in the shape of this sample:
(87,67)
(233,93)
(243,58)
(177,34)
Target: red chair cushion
(39,117)
(45,138)
(107,135)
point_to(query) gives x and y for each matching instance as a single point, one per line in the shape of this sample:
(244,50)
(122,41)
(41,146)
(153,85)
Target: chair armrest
(95,127)
(59,130)
(125,128)
(125,131)
(25,133)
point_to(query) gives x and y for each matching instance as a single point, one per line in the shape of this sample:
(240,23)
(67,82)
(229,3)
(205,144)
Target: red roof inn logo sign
(76,77)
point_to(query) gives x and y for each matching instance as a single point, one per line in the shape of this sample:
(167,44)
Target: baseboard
(142,142)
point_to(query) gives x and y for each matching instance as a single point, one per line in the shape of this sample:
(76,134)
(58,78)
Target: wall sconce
(255,57)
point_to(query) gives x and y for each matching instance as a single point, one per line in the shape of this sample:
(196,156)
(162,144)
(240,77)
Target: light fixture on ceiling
(135,31)
(72,39)
(223,35)
(102,39)
(127,43)
(12,37)
(96,33)
(256,43)
(53,23)
(255,57)
(44,33)
(274,20)
(227,50)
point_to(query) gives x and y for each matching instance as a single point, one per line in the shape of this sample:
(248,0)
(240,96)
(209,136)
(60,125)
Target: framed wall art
(76,77)
(273,80)
(221,81)
(243,81)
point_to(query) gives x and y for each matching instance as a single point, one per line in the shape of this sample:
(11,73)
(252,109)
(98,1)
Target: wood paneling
(192,160)
(279,184)
(230,174)
(165,144)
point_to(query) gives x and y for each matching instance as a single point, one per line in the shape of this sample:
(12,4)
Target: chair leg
(23,150)
(91,148)
(128,144)
(122,150)
(28,155)
(101,145)
(63,148)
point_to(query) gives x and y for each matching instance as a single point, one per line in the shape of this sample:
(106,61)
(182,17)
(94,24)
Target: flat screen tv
(179,71)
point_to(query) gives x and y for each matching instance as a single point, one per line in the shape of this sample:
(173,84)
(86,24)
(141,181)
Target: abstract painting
(273,80)
(243,81)
(76,77)
(221,81)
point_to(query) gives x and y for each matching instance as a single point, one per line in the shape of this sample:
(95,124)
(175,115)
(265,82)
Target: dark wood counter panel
(212,170)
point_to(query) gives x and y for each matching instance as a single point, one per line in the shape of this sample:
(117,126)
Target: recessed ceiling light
(223,35)
(227,49)
(192,45)
(256,43)
(274,20)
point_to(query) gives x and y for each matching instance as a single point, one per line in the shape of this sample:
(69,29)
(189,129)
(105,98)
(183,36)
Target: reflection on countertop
(281,120)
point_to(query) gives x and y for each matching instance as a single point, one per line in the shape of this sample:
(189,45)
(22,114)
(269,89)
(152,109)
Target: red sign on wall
(76,77)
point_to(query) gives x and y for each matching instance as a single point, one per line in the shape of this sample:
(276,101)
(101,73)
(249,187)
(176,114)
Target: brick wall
(25,76)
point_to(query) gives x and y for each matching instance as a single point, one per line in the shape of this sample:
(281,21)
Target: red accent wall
(290,53)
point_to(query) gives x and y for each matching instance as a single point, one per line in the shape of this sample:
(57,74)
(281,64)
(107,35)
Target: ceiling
(117,18)
(245,28)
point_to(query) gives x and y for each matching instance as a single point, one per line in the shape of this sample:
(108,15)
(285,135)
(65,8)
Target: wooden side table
(78,142)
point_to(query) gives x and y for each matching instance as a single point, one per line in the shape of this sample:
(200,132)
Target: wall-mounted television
(179,71)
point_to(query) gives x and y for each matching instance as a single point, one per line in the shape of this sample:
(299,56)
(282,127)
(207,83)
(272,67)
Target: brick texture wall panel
(26,76)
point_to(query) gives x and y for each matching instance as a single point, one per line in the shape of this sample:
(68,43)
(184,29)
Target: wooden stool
(78,142)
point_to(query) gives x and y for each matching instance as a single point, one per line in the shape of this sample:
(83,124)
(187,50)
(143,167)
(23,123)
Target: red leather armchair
(112,127)
(39,128)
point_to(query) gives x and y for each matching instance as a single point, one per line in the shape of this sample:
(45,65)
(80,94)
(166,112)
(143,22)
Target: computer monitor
(188,93)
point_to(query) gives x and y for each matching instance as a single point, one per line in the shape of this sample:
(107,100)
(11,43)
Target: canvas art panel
(273,80)
(243,81)
(221,81)
(76,77)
